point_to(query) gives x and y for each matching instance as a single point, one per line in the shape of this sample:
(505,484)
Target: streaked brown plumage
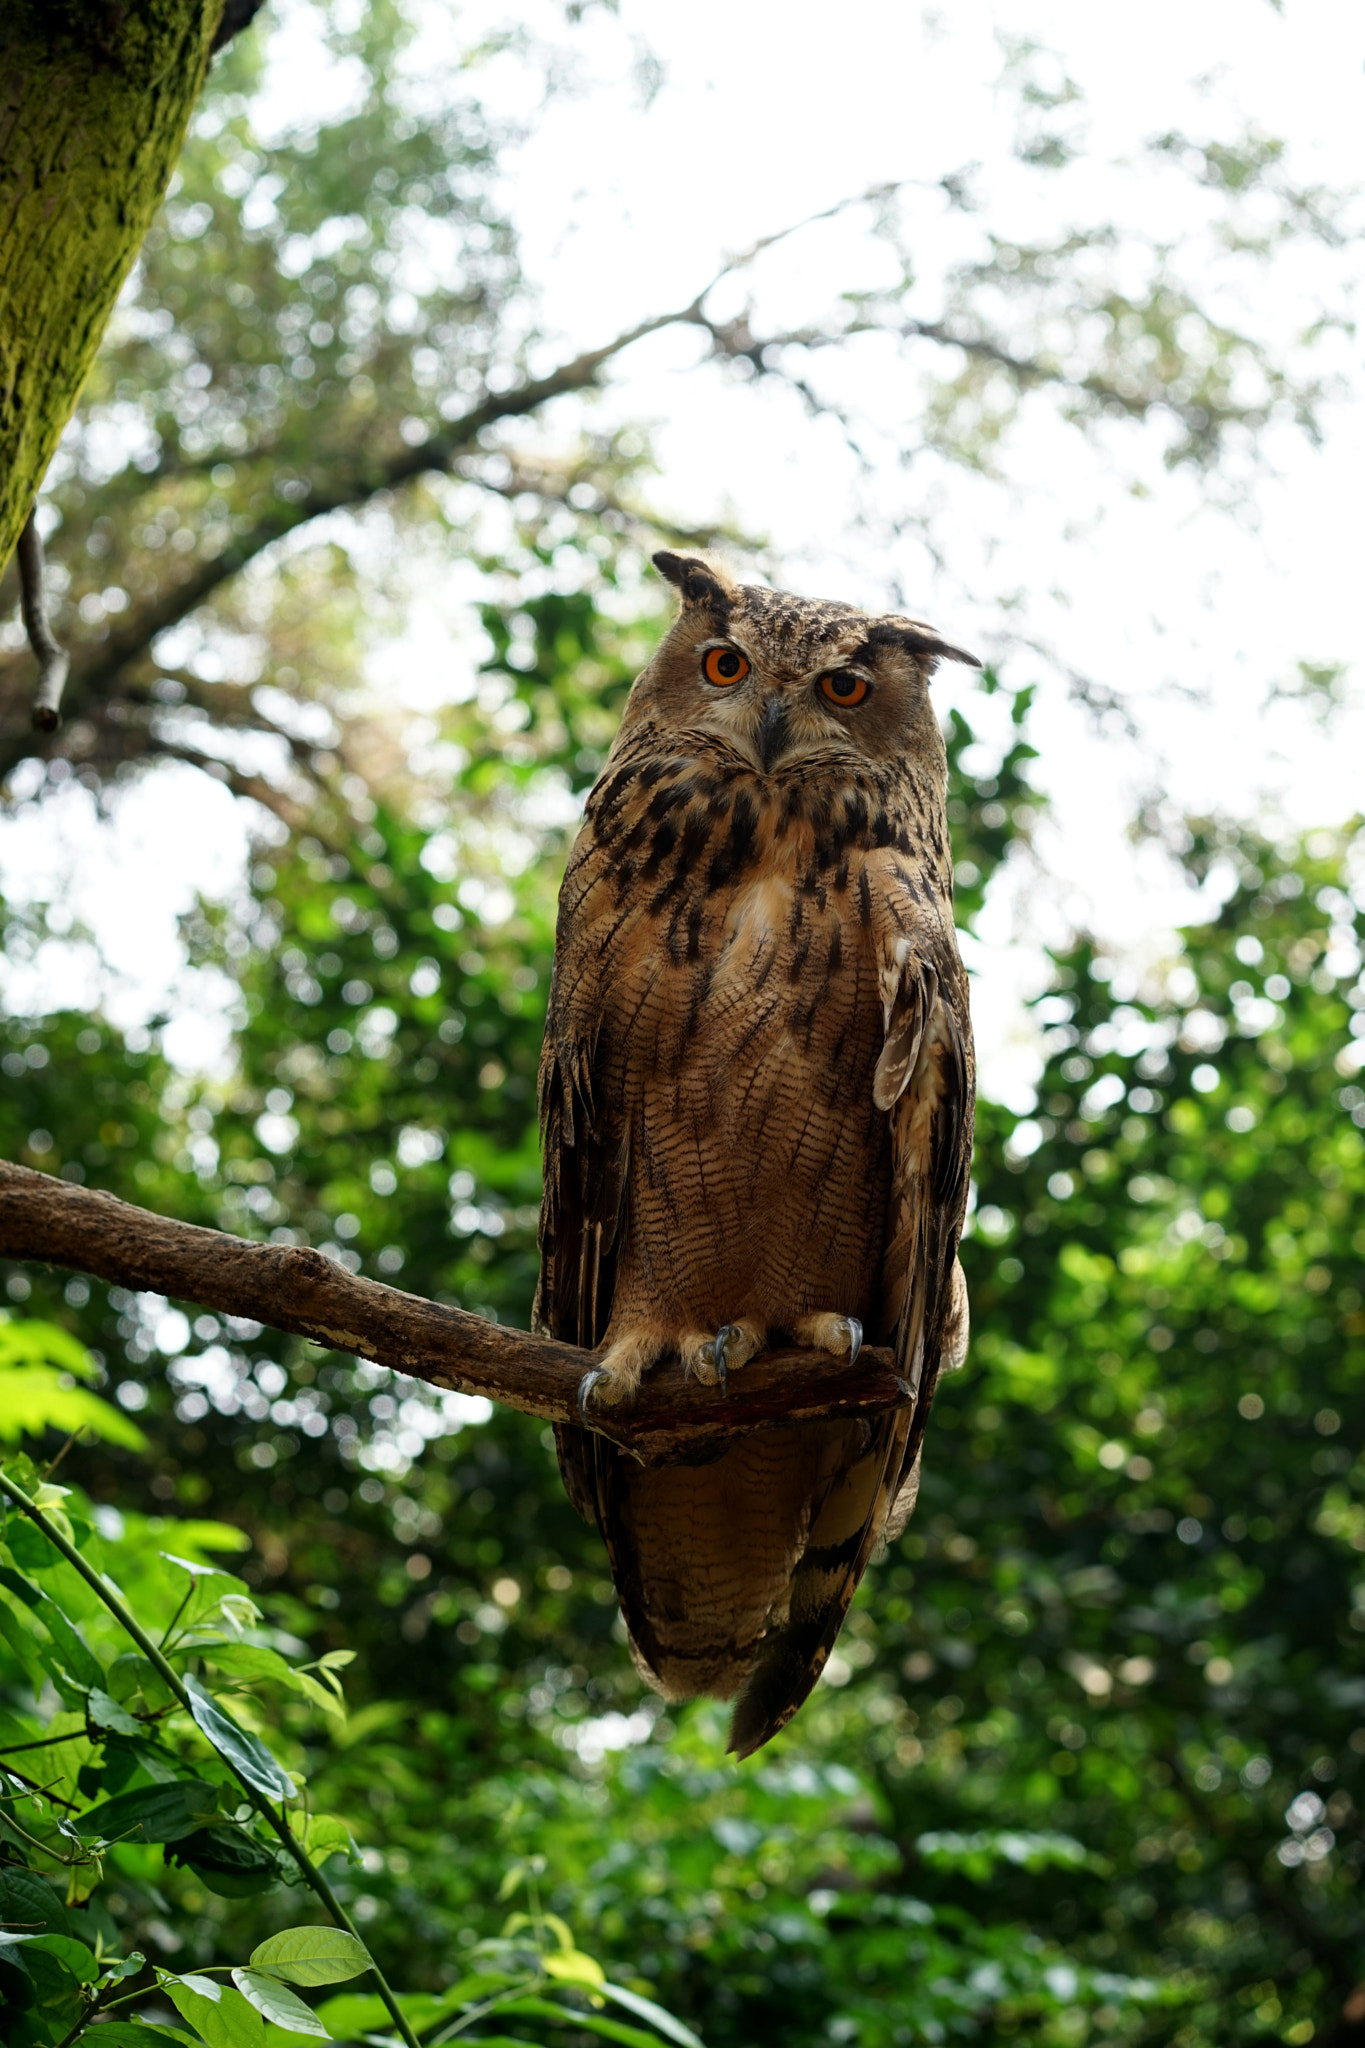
(756,1106)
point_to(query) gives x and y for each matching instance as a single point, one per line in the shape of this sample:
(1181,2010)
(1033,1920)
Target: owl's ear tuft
(943,650)
(921,641)
(700,582)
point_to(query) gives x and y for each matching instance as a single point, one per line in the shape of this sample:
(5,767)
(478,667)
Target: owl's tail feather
(795,1653)
(792,1657)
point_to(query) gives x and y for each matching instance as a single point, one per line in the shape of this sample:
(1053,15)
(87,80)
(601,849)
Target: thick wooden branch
(292,1287)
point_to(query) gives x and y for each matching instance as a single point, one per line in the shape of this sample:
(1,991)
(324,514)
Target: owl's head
(790,682)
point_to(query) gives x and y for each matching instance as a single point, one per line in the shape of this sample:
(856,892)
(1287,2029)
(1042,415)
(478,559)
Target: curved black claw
(855,1338)
(905,1388)
(723,1336)
(585,1387)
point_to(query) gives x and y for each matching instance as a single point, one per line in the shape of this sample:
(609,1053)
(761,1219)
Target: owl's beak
(772,732)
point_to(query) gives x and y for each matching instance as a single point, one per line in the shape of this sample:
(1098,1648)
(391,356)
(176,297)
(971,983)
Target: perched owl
(756,1108)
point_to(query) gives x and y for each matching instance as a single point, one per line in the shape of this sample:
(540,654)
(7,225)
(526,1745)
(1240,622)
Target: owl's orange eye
(842,687)
(723,665)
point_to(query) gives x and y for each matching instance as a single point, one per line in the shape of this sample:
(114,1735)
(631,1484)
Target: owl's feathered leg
(623,1366)
(841,1335)
(705,1357)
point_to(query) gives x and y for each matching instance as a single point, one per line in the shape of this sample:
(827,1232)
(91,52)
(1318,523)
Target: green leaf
(506,2040)
(17,1632)
(138,2034)
(645,2009)
(106,1713)
(33,1342)
(205,1535)
(232,1862)
(589,2022)
(35,1358)
(571,1966)
(221,2015)
(29,1904)
(352,2013)
(250,1660)
(196,1571)
(33,1399)
(154,1813)
(324,1835)
(133,1677)
(246,1752)
(16,1986)
(281,2006)
(38,1977)
(77,1658)
(254,1660)
(73,1955)
(312,1955)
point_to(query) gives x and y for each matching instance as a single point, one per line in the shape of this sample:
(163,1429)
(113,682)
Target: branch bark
(294,1288)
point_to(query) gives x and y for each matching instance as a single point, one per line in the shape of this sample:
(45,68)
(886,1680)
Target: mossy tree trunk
(95,98)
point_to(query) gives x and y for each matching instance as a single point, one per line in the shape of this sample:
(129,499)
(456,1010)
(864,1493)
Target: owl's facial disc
(793,718)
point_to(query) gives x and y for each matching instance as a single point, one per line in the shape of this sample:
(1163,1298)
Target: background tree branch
(295,1288)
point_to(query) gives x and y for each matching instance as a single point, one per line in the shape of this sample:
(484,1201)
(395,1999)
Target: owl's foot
(842,1335)
(712,1359)
(624,1365)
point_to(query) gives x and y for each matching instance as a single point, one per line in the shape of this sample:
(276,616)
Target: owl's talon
(711,1359)
(726,1334)
(905,1387)
(855,1339)
(589,1381)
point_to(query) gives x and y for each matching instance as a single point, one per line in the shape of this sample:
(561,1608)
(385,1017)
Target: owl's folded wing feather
(582,1210)
(924,1082)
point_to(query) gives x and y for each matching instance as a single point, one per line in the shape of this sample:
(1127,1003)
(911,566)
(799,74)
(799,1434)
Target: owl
(756,1100)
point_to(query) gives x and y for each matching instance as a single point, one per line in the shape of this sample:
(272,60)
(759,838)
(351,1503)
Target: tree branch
(365,479)
(295,1288)
(52,662)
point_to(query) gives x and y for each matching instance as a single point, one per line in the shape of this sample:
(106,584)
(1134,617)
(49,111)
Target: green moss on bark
(95,98)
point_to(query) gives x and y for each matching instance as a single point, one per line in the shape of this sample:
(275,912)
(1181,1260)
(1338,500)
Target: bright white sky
(1190,612)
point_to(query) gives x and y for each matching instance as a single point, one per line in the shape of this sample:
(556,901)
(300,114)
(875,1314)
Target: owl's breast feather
(757,917)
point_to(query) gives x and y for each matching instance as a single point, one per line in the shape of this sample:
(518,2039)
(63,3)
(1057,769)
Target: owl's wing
(924,1082)
(584,1143)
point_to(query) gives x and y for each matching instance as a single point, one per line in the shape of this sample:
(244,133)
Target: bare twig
(294,1288)
(52,663)
(365,476)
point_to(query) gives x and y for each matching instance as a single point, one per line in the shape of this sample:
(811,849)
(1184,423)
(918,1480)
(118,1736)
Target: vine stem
(128,1622)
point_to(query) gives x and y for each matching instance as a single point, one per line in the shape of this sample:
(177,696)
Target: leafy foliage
(95,1776)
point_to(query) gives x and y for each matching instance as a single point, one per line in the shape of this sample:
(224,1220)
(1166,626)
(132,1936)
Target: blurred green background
(1088,1761)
